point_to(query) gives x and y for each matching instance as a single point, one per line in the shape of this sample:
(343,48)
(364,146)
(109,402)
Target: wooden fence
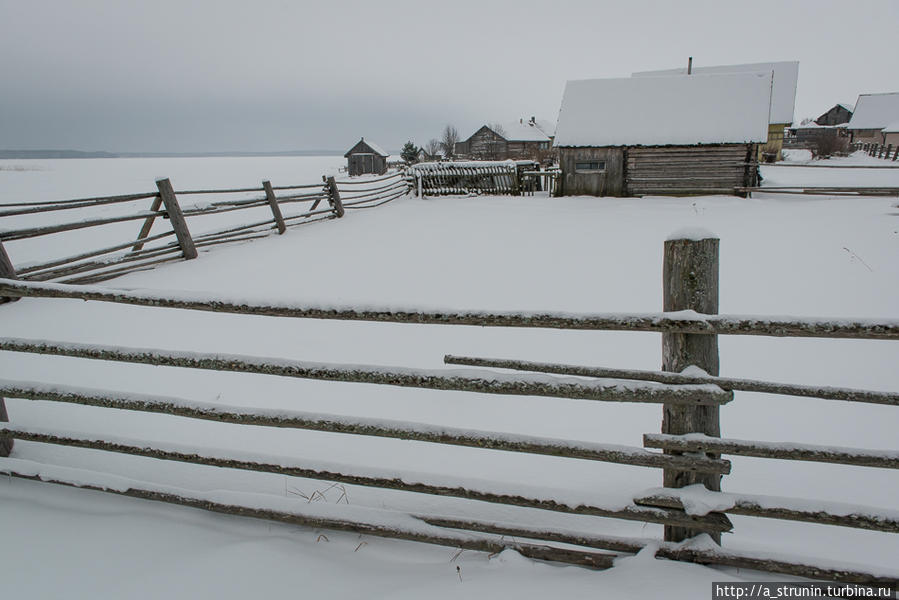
(146,250)
(475,177)
(886,151)
(690,442)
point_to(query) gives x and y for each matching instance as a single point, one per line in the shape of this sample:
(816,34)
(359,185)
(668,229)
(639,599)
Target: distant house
(838,115)
(873,113)
(891,134)
(517,140)
(662,135)
(784,78)
(366,157)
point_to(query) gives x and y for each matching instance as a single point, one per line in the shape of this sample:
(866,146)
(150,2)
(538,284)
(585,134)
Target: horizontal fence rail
(675,322)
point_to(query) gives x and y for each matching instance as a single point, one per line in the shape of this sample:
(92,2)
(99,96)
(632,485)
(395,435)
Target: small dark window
(592,166)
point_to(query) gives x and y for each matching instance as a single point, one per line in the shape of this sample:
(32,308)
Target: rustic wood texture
(726,383)
(334,197)
(375,428)
(38,269)
(177,218)
(688,170)
(690,282)
(7,271)
(827,454)
(30,232)
(401,377)
(713,523)
(752,508)
(661,323)
(6,441)
(273,202)
(148,224)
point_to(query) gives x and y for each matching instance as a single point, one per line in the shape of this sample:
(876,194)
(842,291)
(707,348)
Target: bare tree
(829,142)
(498,129)
(448,141)
(433,147)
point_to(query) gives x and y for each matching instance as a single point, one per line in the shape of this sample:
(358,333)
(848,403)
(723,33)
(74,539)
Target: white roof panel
(660,111)
(786,77)
(875,111)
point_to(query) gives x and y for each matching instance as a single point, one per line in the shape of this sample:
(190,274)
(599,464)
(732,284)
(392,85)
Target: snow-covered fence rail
(474,177)
(131,255)
(688,388)
(886,151)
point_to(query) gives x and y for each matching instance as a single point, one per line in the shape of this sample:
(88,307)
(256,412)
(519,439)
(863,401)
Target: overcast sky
(267,75)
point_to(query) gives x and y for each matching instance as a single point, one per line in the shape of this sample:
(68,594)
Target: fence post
(889,149)
(334,197)
(177,218)
(516,181)
(690,282)
(7,271)
(6,443)
(273,202)
(148,224)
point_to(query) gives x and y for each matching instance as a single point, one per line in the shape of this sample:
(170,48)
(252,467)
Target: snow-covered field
(810,256)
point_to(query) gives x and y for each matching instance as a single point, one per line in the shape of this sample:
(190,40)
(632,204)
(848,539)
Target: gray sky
(268,75)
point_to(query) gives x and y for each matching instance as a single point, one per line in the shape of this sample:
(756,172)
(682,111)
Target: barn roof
(659,111)
(517,131)
(363,146)
(875,111)
(847,106)
(783,97)
(892,127)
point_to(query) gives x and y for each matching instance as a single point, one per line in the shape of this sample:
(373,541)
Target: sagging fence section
(479,177)
(268,208)
(885,151)
(688,449)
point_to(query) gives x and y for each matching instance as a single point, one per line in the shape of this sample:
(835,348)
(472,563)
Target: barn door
(369,162)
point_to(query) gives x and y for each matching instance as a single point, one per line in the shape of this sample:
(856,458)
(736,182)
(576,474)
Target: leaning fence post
(7,271)
(6,443)
(334,197)
(273,202)
(177,218)
(148,224)
(690,282)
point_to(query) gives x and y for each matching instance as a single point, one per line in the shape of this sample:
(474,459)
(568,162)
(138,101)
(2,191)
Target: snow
(779,255)
(783,94)
(377,149)
(875,111)
(691,233)
(892,127)
(658,111)
(523,131)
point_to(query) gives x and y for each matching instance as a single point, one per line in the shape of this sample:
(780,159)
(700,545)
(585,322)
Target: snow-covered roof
(375,148)
(875,111)
(847,106)
(520,131)
(892,127)
(659,111)
(783,97)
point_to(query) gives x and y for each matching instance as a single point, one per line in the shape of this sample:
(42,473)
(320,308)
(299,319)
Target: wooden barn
(366,157)
(784,79)
(838,115)
(662,135)
(872,113)
(522,139)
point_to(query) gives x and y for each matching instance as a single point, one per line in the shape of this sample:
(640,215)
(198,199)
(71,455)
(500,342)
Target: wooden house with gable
(873,113)
(838,115)
(522,139)
(662,135)
(784,79)
(366,157)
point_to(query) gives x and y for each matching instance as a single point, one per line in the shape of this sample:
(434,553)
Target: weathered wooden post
(6,443)
(334,197)
(690,282)
(7,271)
(273,203)
(148,224)
(177,218)
(516,181)
(889,149)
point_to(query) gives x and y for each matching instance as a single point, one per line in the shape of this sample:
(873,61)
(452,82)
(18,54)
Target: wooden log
(806,452)
(595,560)
(885,329)
(726,383)
(21,234)
(367,427)
(403,377)
(36,269)
(398,481)
(273,203)
(334,197)
(767,507)
(7,271)
(98,200)
(6,441)
(148,224)
(690,282)
(177,218)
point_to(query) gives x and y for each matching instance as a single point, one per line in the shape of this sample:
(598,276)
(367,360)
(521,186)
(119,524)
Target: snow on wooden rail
(688,377)
(612,453)
(670,322)
(467,381)
(569,502)
(885,459)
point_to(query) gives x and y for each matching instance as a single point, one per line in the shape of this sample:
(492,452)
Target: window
(594,166)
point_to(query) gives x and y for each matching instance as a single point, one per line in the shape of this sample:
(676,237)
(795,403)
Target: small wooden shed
(662,135)
(872,113)
(366,157)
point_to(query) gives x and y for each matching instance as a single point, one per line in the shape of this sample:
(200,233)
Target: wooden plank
(690,282)
(787,451)
(38,269)
(6,441)
(148,224)
(334,197)
(416,378)
(273,203)
(21,234)
(869,329)
(7,271)
(176,218)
